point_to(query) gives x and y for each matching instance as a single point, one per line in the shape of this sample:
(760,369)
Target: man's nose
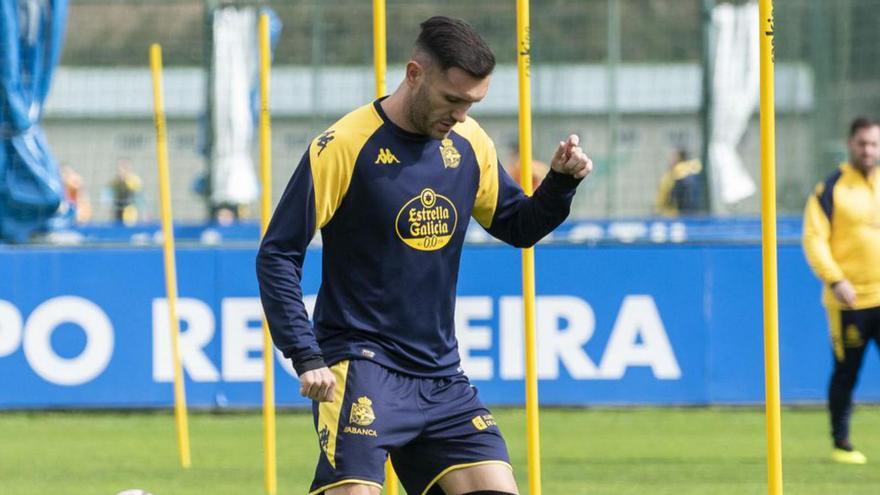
(460,115)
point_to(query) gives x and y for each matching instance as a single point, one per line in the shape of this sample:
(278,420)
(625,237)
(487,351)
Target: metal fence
(625,74)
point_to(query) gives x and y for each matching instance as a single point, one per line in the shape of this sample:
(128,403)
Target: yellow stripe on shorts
(328,413)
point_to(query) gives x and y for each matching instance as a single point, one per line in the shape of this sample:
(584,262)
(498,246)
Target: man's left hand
(570,159)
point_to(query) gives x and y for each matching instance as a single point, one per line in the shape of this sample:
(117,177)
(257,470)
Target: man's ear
(415,74)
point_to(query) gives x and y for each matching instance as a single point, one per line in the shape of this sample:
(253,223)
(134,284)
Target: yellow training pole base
(391,486)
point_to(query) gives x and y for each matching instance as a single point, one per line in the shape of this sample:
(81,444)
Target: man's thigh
(850,332)
(494,477)
(372,413)
(460,435)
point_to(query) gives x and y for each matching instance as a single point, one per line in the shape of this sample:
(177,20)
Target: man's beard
(419,111)
(863,163)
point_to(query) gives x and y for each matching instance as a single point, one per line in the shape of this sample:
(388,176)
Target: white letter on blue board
(639,317)
(199,330)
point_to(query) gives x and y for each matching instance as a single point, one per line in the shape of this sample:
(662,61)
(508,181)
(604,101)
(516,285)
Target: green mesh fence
(625,74)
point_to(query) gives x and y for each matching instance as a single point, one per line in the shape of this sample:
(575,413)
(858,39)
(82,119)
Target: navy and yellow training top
(841,236)
(393,208)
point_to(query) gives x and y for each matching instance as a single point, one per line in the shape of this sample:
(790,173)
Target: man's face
(442,99)
(864,147)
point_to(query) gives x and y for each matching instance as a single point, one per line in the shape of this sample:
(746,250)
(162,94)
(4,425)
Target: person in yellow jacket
(841,240)
(680,190)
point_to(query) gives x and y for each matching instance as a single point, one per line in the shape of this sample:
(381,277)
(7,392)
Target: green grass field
(642,451)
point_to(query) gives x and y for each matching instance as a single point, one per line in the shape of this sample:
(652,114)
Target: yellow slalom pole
(391,486)
(528,255)
(379,50)
(768,249)
(380,66)
(270,476)
(180,416)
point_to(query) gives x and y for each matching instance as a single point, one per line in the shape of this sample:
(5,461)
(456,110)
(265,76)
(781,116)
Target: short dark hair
(454,43)
(862,123)
(683,153)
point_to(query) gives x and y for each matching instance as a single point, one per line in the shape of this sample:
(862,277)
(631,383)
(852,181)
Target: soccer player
(391,186)
(842,243)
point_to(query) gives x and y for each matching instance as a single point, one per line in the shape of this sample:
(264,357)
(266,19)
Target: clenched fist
(318,384)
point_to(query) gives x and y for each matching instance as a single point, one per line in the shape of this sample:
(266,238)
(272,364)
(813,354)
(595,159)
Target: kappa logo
(362,412)
(451,156)
(324,139)
(386,157)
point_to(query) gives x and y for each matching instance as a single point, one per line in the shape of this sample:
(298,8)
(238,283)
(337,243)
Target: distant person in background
(842,243)
(75,195)
(512,166)
(680,190)
(125,188)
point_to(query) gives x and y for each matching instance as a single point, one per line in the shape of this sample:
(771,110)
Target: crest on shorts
(852,337)
(479,423)
(362,412)
(484,421)
(451,156)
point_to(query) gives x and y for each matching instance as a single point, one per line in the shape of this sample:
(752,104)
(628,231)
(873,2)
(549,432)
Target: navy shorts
(429,426)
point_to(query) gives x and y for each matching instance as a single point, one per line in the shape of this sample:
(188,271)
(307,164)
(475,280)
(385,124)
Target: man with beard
(391,186)
(842,243)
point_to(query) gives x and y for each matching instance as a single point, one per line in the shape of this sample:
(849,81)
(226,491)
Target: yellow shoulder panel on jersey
(332,157)
(487,159)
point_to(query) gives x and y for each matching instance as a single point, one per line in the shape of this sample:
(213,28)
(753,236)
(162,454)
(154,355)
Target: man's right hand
(318,384)
(844,292)
(570,159)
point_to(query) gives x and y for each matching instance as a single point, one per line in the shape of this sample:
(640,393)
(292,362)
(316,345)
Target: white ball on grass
(134,491)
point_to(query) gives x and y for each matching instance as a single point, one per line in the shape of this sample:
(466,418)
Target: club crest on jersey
(362,412)
(451,156)
(427,222)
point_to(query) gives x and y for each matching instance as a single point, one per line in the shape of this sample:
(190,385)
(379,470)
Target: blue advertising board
(617,324)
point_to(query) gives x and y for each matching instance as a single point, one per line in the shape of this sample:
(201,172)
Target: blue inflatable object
(31,34)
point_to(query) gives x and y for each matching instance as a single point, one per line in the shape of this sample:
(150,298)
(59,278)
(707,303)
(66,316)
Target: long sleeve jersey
(393,208)
(841,236)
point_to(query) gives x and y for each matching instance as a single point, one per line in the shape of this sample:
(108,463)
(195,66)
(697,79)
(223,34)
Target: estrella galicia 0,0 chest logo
(427,222)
